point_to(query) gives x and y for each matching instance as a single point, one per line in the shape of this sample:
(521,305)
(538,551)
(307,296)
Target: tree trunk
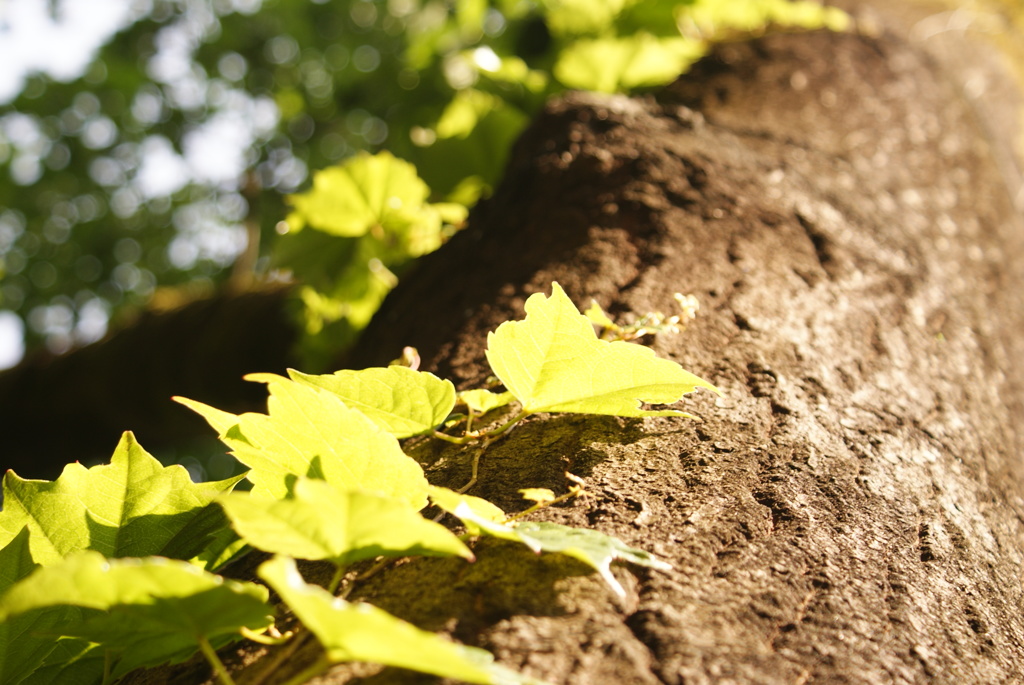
(851,510)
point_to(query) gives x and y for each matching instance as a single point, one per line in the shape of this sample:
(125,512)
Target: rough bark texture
(851,510)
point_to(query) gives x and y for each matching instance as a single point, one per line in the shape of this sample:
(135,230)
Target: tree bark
(851,509)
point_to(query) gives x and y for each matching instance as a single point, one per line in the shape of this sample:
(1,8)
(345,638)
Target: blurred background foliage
(170,161)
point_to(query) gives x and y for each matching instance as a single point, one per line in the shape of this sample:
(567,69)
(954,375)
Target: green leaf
(310,432)
(482,401)
(589,546)
(147,611)
(613,65)
(319,522)
(133,506)
(716,20)
(580,17)
(400,400)
(476,513)
(553,361)
(72,662)
(362,632)
(363,192)
(22,651)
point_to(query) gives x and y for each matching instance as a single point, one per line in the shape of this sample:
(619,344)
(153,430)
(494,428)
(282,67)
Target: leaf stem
(218,666)
(451,438)
(339,574)
(264,639)
(490,435)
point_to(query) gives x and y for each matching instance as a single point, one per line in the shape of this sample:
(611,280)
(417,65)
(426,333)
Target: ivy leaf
(553,361)
(614,65)
(476,513)
(133,506)
(365,191)
(146,611)
(362,632)
(482,401)
(402,401)
(593,548)
(319,522)
(310,432)
(72,662)
(21,650)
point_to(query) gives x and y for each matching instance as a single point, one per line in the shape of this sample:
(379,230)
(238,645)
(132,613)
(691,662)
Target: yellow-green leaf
(363,192)
(613,65)
(146,611)
(362,632)
(553,361)
(133,506)
(400,400)
(310,432)
(319,522)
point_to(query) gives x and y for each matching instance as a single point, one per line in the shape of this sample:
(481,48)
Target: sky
(60,45)
(60,38)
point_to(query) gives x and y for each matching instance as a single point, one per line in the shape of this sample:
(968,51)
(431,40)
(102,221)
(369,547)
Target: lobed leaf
(310,432)
(145,611)
(133,506)
(614,65)
(365,191)
(593,548)
(362,632)
(22,649)
(400,400)
(553,361)
(482,401)
(319,522)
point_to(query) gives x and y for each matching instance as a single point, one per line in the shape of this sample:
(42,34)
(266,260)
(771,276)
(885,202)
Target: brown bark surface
(851,510)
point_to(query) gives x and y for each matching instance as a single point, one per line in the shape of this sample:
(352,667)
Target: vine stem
(339,574)
(218,666)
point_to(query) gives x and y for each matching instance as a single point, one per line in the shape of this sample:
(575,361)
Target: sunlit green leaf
(582,17)
(553,361)
(612,65)
(361,193)
(400,400)
(319,522)
(482,401)
(310,432)
(146,611)
(361,632)
(717,20)
(133,506)
(593,548)
(589,546)
(22,650)
(477,514)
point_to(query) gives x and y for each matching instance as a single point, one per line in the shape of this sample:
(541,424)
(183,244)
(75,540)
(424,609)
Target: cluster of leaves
(113,568)
(486,89)
(111,201)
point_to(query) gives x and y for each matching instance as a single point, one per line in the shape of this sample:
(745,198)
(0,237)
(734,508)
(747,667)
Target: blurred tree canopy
(165,168)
